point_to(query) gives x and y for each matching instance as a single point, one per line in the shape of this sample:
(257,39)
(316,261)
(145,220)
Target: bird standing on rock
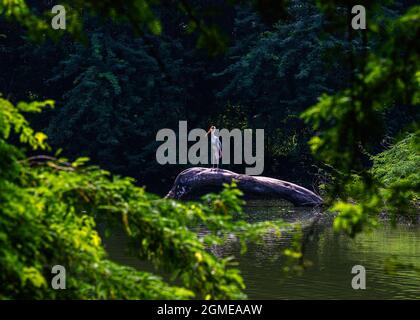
(216,147)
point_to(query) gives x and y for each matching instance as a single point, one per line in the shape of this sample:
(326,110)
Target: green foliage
(118,90)
(138,12)
(395,190)
(353,116)
(350,123)
(275,74)
(49,214)
(401,161)
(111,111)
(11,118)
(398,170)
(142,15)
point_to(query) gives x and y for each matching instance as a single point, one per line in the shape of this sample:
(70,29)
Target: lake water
(331,255)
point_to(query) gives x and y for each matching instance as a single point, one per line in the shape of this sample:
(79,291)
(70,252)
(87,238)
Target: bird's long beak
(208,132)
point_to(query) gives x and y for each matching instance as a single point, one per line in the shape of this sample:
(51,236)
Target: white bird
(216,147)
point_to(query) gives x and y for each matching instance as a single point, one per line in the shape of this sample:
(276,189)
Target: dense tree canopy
(338,105)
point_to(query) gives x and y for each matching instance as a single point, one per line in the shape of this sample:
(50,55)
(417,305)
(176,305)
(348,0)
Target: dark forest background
(115,90)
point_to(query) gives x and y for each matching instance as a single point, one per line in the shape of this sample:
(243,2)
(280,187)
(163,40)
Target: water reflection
(332,256)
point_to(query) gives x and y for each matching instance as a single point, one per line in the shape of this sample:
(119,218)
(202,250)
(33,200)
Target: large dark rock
(197,180)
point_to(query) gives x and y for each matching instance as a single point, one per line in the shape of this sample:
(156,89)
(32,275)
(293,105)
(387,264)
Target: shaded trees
(276,73)
(118,99)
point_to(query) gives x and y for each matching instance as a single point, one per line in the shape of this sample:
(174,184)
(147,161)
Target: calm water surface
(332,257)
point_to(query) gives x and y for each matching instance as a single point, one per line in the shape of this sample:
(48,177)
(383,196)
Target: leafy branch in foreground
(349,124)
